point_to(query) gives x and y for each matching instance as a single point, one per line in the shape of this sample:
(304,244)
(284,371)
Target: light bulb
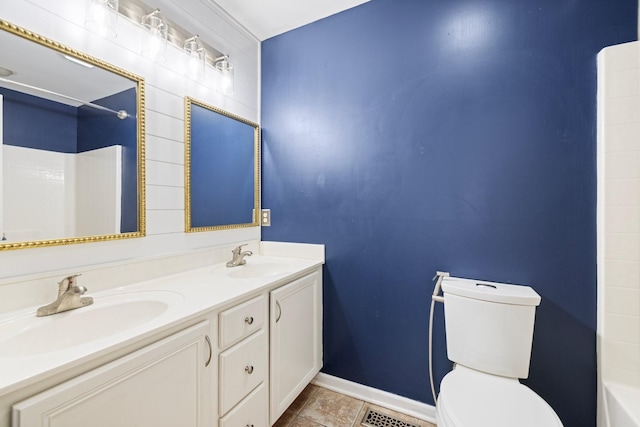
(195,58)
(226,82)
(226,75)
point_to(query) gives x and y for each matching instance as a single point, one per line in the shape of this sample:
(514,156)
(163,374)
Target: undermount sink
(250,271)
(109,315)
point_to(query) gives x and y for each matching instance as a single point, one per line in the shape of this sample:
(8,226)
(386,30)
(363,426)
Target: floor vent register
(376,419)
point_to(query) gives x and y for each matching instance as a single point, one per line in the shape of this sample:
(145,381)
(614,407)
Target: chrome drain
(376,419)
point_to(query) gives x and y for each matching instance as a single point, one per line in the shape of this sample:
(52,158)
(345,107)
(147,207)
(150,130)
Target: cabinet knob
(248,320)
(248,369)
(249,425)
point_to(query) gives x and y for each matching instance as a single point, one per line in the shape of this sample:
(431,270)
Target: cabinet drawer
(241,320)
(252,411)
(242,368)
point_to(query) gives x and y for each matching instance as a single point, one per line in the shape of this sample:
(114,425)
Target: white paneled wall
(619,213)
(166,87)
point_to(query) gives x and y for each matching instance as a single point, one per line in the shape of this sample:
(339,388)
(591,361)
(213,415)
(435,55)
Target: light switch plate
(265,218)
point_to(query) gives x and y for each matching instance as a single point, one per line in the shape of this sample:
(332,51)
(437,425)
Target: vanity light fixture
(226,74)
(196,58)
(154,36)
(101,17)
(158,31)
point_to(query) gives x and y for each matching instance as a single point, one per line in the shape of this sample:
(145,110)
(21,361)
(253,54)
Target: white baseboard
(385,399)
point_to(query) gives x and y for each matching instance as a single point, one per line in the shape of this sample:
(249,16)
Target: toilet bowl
(470,398)
(489,328)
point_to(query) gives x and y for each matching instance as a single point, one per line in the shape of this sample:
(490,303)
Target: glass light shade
(154,36)
(195,58)
(225,69)
(101,17)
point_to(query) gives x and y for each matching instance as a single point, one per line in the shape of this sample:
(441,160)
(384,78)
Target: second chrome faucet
(238,257)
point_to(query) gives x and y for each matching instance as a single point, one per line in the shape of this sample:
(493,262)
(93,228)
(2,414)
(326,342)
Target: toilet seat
(470,398)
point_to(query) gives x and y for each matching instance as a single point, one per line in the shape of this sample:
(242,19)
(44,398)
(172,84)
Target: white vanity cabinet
(163,384)
(296,339)
(242,365)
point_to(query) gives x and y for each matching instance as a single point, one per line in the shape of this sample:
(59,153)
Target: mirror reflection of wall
(222,154)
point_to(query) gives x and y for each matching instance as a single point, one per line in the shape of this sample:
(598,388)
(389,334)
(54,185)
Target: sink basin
(109,315)
(251,271)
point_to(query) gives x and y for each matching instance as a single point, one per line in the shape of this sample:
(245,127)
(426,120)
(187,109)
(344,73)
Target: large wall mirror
(222,174)
(72,145)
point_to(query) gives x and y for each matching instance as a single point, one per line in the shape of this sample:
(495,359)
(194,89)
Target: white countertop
(192,294)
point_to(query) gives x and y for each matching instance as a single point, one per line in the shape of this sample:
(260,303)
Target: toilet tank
(489,325)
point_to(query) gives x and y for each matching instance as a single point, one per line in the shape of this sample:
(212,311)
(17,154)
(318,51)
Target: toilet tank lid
(490,291)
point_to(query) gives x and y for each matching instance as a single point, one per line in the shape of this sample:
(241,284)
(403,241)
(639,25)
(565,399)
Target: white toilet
(489,329)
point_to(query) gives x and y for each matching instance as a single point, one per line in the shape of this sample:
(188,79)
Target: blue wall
(411,136)
(27,119)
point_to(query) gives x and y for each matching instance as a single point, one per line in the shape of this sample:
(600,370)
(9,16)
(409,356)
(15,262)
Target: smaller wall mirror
(222,172)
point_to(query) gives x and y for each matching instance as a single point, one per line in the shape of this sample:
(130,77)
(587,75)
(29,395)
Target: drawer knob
(249,425)
(248,320)
(248,369)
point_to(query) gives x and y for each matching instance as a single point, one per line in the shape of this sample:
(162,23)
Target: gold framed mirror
(222,169)
(72,158)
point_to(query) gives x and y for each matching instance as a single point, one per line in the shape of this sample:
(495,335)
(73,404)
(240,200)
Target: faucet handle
(238,249)
(67,283)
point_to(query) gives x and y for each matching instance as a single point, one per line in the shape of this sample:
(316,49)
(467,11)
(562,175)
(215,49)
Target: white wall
(619,214)
(62,21)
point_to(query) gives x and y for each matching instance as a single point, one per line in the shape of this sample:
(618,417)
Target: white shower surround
(69,194)
(618,343)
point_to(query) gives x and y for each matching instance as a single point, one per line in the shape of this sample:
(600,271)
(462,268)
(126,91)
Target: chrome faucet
(69,298)
(238,257)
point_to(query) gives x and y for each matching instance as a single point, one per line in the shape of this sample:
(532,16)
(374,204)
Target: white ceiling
(39,66)
(268,18)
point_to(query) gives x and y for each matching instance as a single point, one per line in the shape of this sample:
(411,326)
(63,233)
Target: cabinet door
(165,384)
(296,340)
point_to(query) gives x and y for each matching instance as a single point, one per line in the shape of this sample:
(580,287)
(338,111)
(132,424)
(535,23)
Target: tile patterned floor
(319,407)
